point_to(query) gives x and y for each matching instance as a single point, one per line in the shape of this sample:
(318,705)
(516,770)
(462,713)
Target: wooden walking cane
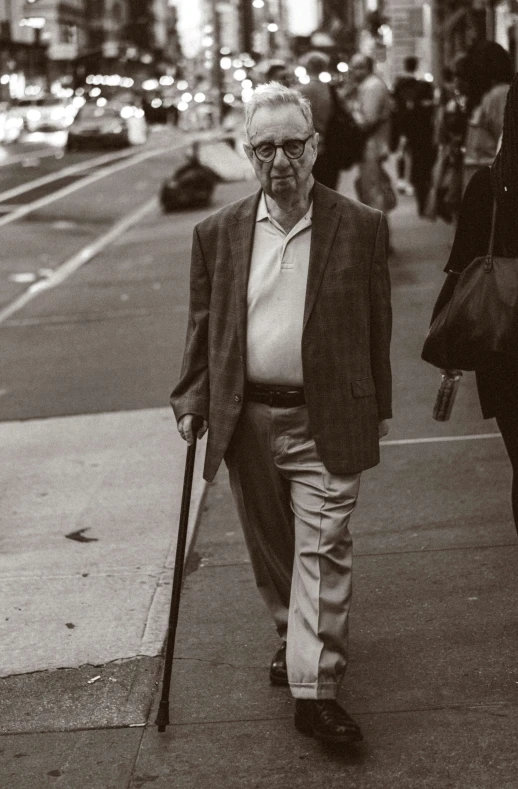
(162,718)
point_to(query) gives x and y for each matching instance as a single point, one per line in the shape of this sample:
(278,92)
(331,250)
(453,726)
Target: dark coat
(346,329)
(497,384)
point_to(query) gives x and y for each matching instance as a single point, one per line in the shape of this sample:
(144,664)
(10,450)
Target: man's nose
(280,158)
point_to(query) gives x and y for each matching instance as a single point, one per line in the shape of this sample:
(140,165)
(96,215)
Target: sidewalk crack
(210,662)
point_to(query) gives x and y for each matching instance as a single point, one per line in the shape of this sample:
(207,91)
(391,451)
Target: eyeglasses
(293,149)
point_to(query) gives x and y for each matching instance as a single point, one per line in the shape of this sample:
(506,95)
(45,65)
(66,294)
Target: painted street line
(438,439)
(72,169)
(22,157)
(74,187)
(79,259)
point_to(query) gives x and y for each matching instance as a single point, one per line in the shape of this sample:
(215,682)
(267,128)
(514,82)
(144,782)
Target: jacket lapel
(240,240)
(326,219)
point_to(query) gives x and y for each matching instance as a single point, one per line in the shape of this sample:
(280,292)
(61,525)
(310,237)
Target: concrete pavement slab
(69,760)
(432,677)
(428,630)
(435,496)
(434,629)
(457,749)
(421,497)
(117,694)
(90,512)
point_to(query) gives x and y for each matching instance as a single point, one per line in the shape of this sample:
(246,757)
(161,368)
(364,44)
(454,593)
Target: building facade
(55,44)
(22,52)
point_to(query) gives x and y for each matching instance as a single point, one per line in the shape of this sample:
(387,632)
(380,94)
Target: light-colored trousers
(295,517)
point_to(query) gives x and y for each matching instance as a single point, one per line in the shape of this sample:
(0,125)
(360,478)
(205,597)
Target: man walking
(371,105)
(321,99)
(414,118)
(287,361)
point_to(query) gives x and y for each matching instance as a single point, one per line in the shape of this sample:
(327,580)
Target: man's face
(359,69)
(283,177)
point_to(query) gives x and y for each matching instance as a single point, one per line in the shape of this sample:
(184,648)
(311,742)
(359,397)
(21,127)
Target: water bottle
(446,395)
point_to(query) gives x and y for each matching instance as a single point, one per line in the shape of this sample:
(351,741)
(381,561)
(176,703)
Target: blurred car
(45,113)
(109,124)
(10,125)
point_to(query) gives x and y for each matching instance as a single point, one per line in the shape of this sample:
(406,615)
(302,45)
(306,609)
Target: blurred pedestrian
(321,99)
(404,96)
(371,104)
(278,71)
(485,64)
(452,123)
(287,361)
(414,119)
(487,118)
(497,381)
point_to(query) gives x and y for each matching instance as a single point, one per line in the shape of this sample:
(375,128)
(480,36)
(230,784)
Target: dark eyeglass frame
(282,145)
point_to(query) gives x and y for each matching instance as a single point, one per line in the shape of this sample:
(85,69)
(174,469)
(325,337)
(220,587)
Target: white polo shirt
(276,297)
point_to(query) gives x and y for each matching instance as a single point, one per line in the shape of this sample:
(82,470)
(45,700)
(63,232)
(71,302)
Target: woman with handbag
(488,220)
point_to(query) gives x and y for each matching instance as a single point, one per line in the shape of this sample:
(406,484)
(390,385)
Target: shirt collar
(263,213)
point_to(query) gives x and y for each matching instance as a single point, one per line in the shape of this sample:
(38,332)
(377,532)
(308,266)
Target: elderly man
(371,105)
(287,362)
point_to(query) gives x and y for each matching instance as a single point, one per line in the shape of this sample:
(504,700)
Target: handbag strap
(493,230)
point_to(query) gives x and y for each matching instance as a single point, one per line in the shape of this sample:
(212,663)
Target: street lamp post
(246,25)
(436,33)
(217,73)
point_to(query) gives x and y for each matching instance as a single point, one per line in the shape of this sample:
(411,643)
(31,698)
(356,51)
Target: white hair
(273,94)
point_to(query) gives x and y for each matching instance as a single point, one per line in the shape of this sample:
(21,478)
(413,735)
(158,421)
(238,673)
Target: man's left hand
(383,428)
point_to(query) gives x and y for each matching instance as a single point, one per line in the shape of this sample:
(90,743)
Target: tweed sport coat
(345,339)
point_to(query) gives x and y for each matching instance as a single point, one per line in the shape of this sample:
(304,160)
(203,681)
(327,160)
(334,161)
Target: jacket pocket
(363,387)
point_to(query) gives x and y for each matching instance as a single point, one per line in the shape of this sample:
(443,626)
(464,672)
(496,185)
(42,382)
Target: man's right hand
(185,428)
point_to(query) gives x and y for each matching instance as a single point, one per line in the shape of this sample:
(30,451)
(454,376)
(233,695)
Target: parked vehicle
(45,113)
(10,125)
(109,123)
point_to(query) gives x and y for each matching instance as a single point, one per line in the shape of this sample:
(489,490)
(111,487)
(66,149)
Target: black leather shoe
(326,720)
(278,670)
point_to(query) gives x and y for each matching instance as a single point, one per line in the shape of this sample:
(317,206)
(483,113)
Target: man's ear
(315,143)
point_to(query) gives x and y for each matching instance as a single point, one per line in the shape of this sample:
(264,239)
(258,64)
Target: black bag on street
(480,321)
(344,140)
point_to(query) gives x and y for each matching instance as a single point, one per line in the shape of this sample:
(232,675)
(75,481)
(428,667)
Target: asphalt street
(89,451)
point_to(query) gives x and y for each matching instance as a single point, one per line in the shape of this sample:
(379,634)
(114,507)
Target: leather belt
(275,395)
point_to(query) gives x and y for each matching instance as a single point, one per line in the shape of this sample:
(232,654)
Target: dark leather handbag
(480,321)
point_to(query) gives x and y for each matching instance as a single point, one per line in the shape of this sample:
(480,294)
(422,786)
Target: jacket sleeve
(191,394)
(381,322)
(473,226)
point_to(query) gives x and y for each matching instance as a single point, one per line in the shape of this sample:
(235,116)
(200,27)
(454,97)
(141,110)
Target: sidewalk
(432,678)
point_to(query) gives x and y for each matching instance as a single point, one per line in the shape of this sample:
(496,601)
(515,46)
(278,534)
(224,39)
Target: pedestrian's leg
(262,497)
(371,180)
(322,572)
(507,422)
(421,175)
